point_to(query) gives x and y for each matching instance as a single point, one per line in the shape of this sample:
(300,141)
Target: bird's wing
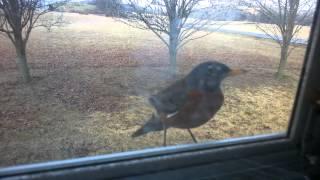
(171,99)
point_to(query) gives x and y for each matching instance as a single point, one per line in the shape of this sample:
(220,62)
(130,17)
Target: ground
(92,78)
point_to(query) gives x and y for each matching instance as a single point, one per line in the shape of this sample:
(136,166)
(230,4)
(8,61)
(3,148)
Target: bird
(189,102)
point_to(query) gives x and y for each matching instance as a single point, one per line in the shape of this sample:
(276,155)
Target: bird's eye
(210,69)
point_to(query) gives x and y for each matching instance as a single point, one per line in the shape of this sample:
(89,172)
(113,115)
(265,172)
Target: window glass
(89,77)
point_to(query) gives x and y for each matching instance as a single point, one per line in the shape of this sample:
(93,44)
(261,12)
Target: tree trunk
(173,58)
(22,62)
(173,44)
(283,60)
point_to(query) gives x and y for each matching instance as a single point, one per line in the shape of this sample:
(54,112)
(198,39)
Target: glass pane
(108,67)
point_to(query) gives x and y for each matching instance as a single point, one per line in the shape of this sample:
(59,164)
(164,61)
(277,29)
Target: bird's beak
(234,72)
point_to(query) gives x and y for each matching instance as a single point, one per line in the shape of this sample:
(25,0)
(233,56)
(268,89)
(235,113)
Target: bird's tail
(153,124)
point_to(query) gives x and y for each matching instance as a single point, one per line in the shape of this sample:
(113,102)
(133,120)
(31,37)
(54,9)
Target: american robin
(189,102)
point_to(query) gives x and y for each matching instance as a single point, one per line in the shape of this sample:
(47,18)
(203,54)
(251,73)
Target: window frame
(179,156)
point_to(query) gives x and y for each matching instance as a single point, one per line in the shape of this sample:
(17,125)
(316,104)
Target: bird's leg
(164,136)
(193,138)
(162,116)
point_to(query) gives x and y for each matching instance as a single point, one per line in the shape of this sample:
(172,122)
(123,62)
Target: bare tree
(285,19)
(17,20)
(172,21)
(109,7)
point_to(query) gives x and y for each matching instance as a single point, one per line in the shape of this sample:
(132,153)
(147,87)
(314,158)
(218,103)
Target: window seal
(309,80)
(210,151)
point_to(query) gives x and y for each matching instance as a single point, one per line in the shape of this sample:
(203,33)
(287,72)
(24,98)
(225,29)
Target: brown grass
(92,79)
(251,27)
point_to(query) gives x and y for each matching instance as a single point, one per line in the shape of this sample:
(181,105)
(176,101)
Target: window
(91,79)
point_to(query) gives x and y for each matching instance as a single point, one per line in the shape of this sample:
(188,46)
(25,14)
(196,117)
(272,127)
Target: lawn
(92,78)
(242,26)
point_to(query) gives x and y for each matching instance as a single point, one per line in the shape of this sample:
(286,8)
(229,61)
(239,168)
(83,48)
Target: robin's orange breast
(199,109)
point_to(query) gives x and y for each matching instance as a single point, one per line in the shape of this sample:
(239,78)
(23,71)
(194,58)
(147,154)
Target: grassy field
(81,8)
(92,79)
(241,26)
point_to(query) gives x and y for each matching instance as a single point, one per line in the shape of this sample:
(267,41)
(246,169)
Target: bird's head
(207,76)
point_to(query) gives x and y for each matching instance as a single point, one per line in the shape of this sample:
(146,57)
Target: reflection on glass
(103,84)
